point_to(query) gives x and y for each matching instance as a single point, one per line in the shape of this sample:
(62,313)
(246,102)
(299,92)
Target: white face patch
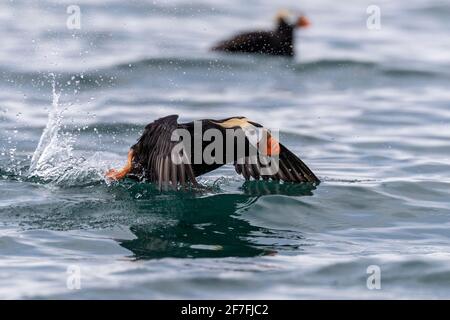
(286,15)
(254,134)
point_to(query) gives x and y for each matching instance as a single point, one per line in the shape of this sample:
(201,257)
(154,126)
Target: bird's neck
(285,29)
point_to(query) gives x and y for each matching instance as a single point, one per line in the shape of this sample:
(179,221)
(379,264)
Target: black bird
(278,42)
(172,153)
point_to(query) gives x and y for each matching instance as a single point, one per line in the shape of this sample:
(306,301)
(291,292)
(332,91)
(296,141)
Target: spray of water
(54,148)
(54,159)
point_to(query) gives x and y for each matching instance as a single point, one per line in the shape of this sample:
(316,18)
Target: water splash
(53,147)
(54,159)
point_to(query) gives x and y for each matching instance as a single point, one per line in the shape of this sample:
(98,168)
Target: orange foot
(113,174)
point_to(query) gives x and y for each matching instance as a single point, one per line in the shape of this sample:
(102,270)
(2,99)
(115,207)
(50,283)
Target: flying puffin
(174,154)
(279,42)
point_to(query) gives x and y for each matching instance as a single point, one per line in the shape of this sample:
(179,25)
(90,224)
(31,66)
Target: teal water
(368,111)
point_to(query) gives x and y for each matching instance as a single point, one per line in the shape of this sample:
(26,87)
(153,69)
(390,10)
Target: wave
(324,64)
(396,72)
(111,76)
(114,75)
(177,62)
(90,79)
(241,62)
(247,63)
(437,10)
(345,64)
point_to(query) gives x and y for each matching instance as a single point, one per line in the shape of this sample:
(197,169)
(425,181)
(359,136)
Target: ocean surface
(367,110)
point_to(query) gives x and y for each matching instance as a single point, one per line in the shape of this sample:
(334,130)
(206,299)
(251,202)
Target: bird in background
(279,42)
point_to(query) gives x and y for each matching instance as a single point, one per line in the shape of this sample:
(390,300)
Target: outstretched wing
(286,166)
(154,159)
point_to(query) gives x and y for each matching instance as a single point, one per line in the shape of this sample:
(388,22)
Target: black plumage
(153,158)
(279,41)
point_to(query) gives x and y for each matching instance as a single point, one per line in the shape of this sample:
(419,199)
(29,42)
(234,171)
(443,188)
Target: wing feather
(290,168)
(153,155)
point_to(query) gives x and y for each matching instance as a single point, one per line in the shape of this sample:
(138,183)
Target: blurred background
(367,109)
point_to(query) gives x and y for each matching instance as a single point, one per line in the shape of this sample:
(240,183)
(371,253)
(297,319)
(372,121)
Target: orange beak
(303,22)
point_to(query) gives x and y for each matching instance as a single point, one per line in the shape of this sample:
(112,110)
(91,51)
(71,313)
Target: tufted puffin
(172,153)
(279,42)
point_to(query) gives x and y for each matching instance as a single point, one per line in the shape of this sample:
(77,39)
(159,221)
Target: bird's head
(261,138)
(285,18)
